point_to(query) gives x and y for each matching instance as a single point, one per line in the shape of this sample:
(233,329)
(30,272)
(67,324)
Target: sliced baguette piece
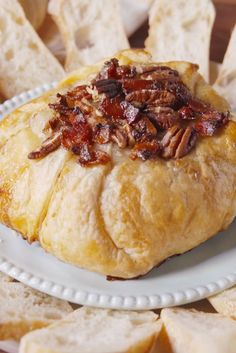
(91,29)
(23,309)
(4,278)
(25,62)
(198,332)
(35,11)
(226,81)
(225,302)
(181,30)
(89,330)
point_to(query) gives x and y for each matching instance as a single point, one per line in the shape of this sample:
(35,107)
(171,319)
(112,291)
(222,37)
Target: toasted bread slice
(91,30)
(181,30)
(25,62)
(89,330)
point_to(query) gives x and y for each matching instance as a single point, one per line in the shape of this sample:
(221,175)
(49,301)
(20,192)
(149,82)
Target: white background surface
(206,269)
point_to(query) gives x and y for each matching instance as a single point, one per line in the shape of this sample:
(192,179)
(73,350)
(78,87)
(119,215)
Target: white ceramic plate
(199,273)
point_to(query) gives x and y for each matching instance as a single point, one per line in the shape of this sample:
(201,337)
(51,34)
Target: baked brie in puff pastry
(122,165)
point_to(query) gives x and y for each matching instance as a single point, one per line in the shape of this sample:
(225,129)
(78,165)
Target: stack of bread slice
(178,331)
(44,324)
(25,60)
(81,32)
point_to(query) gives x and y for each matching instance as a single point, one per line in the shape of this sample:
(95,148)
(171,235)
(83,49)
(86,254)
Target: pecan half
(120,137)
(171,141)
(48,146)
(110,87)
(163,117)
(159,73)
(129,132)
(187,142)
(151,97)
(178,141)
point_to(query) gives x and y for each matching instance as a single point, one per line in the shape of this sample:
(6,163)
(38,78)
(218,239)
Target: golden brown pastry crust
(123,218)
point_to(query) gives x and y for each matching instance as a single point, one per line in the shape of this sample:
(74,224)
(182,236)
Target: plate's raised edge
(13,103)
(9,346)
(139,302)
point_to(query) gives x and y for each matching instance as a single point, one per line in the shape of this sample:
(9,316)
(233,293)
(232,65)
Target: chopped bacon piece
(198,106)
(89,157)
(144,130)
(108,70)
(55,123)
(75,137)
(130,113)
(102,133)
(111,69)
(187,113)
(130,85)
(112,108)
(210,122)
(126,71)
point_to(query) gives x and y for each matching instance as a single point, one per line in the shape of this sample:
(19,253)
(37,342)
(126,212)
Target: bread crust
(125,217)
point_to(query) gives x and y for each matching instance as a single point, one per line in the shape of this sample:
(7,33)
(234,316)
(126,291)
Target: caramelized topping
(147,109)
